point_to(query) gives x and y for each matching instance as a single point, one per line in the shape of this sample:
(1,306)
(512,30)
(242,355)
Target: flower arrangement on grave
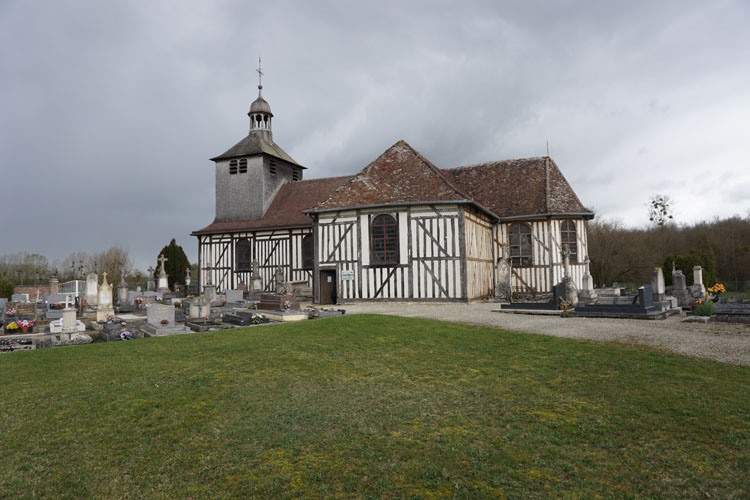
(287,304)
(217,321)
(56,306)
(717,288)
(177,305)
(126,336)
(11,312)
(165,321)
(138,300)
(122,322)
(12,326)
(565,306)
(204,317)
(257,319)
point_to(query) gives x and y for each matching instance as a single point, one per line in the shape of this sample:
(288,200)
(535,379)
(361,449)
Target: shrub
(685,263)
(705,309)
(6,288)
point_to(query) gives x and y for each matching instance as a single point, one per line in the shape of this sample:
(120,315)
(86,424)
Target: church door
(328,292)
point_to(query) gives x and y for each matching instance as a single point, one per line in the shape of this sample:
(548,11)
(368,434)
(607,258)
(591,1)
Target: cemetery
(93,310)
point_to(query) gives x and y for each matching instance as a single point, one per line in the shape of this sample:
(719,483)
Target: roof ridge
(481,164)
(437,170)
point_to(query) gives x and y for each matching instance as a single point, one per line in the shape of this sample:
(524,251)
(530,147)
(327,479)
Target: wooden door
(328,292)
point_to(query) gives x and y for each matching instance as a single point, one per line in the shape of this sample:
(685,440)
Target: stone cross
(104,278)
(187,277)
(162,260)
(256,270)
(566,261)
(151,271)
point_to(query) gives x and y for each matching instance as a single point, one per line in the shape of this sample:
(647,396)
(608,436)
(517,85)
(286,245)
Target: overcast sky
(109,111)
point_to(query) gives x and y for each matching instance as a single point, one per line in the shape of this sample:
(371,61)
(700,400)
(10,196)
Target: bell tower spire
(260,111)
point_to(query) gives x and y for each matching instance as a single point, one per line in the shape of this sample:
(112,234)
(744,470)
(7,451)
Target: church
(400,229)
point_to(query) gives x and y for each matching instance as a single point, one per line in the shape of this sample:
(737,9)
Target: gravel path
(725,342)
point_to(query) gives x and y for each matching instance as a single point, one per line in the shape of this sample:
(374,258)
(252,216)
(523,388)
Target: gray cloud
(111,110)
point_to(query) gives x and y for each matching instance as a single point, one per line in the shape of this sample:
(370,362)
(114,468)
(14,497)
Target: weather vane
(260,75)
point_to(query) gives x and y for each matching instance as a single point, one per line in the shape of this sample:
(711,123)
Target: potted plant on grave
(10,312)
(257,319)
(12,327)
(26,324)
(165,321)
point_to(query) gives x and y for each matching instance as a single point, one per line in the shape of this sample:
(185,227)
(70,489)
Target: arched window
(568,237)
(520,245)
(308,251)
(384,240)
(244,254)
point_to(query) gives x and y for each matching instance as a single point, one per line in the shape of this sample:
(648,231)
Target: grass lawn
(371,407)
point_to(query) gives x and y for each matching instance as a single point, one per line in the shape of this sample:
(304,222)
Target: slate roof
(399,175)
(254,144)
(286,210)
(518,188)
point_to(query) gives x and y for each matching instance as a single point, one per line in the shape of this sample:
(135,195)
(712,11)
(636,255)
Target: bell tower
(260,112)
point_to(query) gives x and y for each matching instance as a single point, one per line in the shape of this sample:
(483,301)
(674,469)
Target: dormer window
(243,166)
(233,167)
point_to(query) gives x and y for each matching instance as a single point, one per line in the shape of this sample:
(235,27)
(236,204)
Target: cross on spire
(260,76)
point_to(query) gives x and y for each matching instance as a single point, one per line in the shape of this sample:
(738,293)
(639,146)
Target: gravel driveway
(725,342)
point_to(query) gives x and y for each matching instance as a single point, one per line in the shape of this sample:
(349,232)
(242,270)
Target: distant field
(371,407)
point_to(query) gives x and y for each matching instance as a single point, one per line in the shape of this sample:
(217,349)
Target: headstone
(234,296)
(69,324)
(104,309)
(122,294)
(92,289)
(697,290)
(160,320)
(657,284)
(279,280)
(150,283)
(503,287)
(679,288)
(587,293)
(209,291)
(273,301)
(156,313)
(256,283)
(56,303)
(697,275)
(646,296)
(163,282)
(187,277)
(19,297)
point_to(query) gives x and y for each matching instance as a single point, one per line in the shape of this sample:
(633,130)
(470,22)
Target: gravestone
(679,288)
(657,284)
(503,271)
(209,291)
(155,314)
(697,290)
(163,282)
(587,294)
(56,303)
(566,291)
(275,302)
(150,283)
(104,309)
(19,297)
(279,280)
(256,283)
(92,289)
(187,277)
(234,296)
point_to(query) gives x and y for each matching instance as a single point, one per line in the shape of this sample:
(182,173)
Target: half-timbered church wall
(401,229)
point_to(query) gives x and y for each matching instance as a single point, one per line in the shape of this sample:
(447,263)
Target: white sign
(347,275)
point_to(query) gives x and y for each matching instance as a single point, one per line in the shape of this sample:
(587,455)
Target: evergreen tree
(176,265)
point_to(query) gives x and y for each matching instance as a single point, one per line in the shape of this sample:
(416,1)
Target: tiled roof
(254,144)
(287,207)
(516,188)
(399,175)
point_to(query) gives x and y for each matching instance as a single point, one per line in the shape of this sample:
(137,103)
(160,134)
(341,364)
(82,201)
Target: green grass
(370,407)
